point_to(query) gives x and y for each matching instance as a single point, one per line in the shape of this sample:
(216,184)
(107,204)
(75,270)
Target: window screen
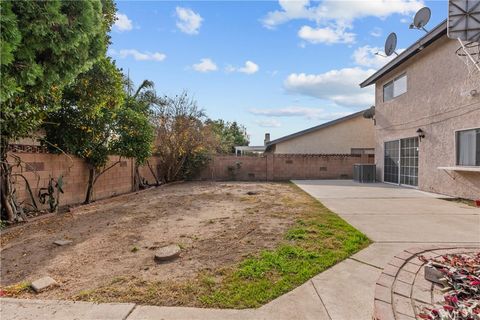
(395,88)
(362,151)
(400,86)
(388,91)
(468,147)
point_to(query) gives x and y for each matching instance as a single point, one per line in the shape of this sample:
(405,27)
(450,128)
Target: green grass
(468,202)
(16,289)
(316,241)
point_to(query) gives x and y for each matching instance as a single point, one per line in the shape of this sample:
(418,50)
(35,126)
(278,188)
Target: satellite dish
(391,44)
(421,18)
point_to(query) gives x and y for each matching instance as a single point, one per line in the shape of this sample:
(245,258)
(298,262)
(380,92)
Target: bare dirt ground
(215,224)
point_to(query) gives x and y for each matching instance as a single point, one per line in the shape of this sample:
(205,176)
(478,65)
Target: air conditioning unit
(364,172)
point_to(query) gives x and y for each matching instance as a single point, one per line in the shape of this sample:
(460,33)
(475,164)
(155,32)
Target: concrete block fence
(39,165)
(281,167)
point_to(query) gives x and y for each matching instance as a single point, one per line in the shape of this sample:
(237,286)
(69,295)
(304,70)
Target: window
(395,88)
(468,147)
(362,151)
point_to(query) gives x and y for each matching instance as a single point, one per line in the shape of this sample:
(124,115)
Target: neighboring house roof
(415,48)
(313,129)
(250,148)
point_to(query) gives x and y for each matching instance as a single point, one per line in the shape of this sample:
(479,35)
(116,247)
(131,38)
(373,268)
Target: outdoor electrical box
(364,172)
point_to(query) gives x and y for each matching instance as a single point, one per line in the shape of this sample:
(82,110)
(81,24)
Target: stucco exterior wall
(339,138)
(436,101)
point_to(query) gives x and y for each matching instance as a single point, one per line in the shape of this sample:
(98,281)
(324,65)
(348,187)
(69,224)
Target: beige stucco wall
(434,102)
(339,138)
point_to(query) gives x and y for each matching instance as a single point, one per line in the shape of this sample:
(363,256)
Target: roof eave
(312,129)
(418,46)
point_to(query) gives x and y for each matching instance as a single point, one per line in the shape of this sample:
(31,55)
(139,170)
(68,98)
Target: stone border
(401,291)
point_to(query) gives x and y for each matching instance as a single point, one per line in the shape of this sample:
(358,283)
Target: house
(252,150)
(246,150)
(352,134)
(427,115)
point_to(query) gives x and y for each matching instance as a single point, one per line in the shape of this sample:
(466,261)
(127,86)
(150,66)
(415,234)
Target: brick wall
(38,166)
(146,173)
(278,167)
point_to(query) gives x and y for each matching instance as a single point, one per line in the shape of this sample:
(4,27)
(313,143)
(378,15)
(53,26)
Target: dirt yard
(215,224)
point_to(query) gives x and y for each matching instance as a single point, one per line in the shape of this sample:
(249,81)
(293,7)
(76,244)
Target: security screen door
(391,161)
(409,161)
(401,162)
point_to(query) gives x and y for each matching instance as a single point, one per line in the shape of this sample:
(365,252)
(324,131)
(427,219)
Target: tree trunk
(157,182)
(6,187)
(137,183)
(91,180)
(9,211)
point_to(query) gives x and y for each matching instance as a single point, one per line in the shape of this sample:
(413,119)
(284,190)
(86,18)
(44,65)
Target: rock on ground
(62,242)
(167,253)
(43,284)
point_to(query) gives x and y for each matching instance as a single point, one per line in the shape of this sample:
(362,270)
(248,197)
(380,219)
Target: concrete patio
(394,218)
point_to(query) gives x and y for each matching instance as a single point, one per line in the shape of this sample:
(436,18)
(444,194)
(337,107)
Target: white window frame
(456,146)
(403,75)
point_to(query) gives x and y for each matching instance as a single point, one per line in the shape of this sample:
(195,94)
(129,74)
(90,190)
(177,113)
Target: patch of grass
(317,240)
(296,234)
(468,202)
(16,289)
(134,249)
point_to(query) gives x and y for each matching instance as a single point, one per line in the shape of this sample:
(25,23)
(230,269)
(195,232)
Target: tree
(87,123)
(45,45)
(137,134)
(183,140)
(229,134)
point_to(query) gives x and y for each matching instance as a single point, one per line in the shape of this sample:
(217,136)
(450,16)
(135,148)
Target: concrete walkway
(394,218)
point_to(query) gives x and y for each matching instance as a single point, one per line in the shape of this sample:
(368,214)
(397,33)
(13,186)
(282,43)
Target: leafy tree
(44,46)
(137,134)
(183,140)
(86,125)
(229,134)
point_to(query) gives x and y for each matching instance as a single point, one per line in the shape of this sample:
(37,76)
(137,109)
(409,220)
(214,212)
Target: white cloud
(333,17)
(205,65)
(250,67)
(365,56)
(338,11)
(188,21)
(326,35)
(122,22)
(376,32)
(137,55)
(296,111)
(339,86)
(291,10)
(269,123)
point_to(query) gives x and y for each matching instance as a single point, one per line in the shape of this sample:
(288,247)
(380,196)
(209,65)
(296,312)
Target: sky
(273,66)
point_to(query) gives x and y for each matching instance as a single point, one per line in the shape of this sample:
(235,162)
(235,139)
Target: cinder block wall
(280,167)
(38,166)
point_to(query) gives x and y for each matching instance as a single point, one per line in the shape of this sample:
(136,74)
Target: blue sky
(273,66)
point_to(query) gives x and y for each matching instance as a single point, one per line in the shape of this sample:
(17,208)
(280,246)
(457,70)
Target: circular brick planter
(401,291)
